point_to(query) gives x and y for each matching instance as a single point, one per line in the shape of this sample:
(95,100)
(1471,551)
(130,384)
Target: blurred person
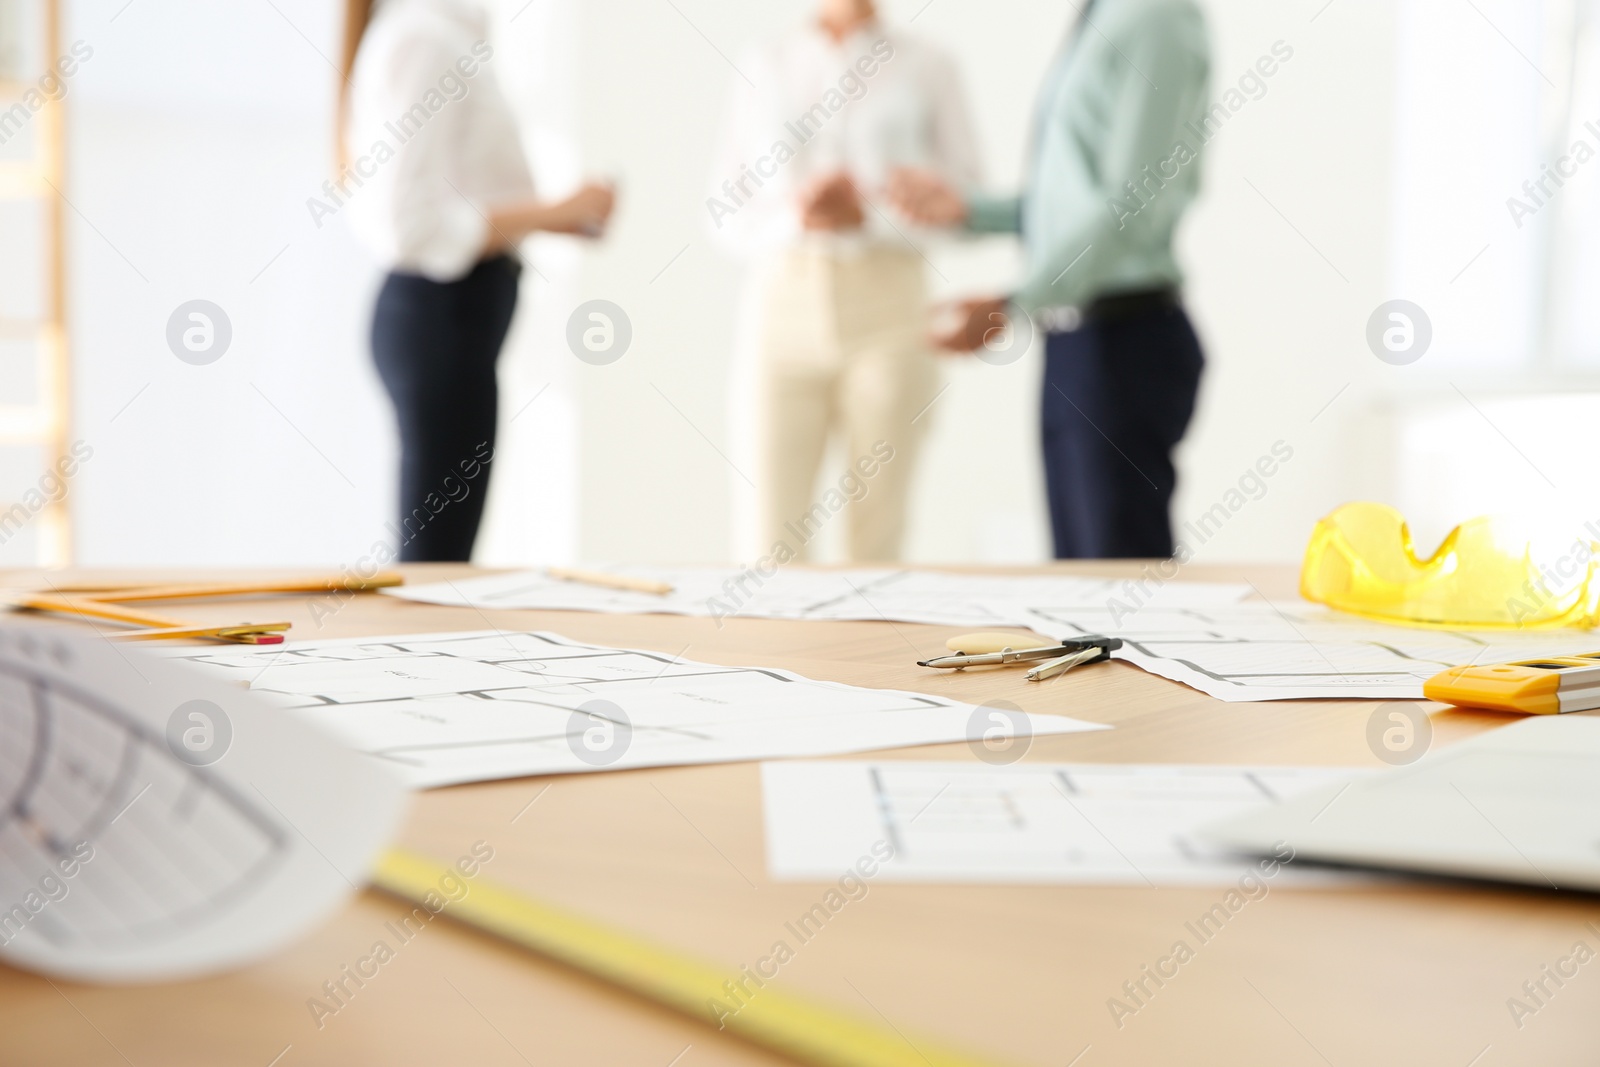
(1118,128)
(837,293)
(433,172)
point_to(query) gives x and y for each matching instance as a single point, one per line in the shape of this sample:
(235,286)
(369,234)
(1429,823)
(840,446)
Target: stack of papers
(841,595)
(1261,651)
(1197,633)
(467,707)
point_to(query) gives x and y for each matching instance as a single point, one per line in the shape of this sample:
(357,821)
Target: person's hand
(584,213)
(831,203)
(966,325)
(925,198)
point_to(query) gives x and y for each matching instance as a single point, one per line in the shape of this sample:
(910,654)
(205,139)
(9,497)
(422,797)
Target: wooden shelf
(22,424)
(19,179)
(47,423)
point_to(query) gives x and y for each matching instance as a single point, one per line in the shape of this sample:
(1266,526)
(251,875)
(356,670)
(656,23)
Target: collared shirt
(432,142)
(1115,156)
(877,100)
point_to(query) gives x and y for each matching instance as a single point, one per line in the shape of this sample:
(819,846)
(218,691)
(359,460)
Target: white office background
(1376,165)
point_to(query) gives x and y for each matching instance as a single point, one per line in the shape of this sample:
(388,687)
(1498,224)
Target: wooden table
(1413,973)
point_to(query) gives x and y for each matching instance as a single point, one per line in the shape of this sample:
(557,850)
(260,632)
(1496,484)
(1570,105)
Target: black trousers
(1118,394)
(435,345)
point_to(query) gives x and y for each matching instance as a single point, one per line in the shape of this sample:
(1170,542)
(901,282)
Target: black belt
(1113,307)
(1126,305)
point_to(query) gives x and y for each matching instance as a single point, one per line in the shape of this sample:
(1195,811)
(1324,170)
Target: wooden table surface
(1407,973)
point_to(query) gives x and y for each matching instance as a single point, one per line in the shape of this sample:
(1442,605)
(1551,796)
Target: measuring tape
(791,1025)
(1546,686)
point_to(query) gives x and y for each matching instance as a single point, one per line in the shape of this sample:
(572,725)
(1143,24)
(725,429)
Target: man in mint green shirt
(1120,125)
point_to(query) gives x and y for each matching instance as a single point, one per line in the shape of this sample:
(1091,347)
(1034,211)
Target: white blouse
(878,100)
(432,142)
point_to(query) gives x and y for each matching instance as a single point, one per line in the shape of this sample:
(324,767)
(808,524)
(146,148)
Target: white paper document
(1197,633)
(464,707)
(798,593)
(1297,650)
(158,823)
(1038,823)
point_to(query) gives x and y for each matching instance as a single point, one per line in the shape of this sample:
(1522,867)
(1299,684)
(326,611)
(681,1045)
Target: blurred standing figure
(828,112)
(1118,128)
(433,172)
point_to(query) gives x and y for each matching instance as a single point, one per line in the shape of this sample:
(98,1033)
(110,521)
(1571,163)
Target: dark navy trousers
(435,345)
(1118,395)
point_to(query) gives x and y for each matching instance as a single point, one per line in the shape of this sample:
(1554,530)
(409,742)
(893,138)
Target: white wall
(1288,255)
(197,134)
(199,130)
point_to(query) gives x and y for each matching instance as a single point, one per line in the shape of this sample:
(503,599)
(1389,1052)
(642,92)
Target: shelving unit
(46,422)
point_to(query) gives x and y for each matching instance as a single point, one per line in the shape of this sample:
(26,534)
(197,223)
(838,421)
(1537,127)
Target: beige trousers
(842,350)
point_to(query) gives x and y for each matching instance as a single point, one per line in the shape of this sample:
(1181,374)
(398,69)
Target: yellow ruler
(791,1025)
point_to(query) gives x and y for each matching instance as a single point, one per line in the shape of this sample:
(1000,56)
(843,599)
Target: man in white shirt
(838,290)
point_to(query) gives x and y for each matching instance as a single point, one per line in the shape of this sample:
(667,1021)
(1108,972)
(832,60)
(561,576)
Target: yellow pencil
(156,626)
(351,583)
(252,633)
(108,600)
(609,581)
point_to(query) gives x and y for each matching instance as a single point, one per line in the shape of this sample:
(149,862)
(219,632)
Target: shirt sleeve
(994,214)
(423,218)
(1162,80)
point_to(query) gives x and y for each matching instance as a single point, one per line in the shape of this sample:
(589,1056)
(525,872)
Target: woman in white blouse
(433,173)
(830,110)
